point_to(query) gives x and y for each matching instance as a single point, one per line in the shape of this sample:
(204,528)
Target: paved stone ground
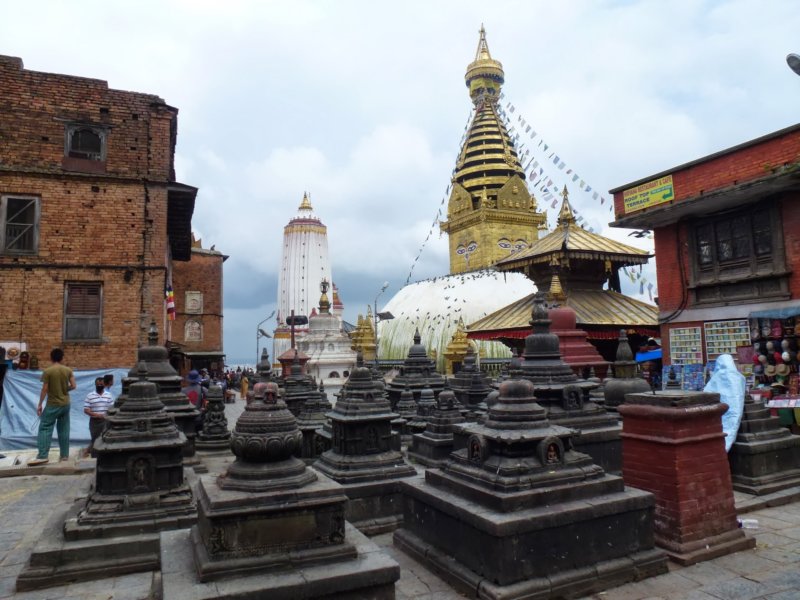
(770,571)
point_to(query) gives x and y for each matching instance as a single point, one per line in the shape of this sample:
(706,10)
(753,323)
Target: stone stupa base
(554,550)
(69,550)
(370,574)
(430,451)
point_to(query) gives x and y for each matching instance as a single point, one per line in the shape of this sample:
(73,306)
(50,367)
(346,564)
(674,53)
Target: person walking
(57,381)
(96,405)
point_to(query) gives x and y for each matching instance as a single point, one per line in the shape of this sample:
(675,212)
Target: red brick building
(727,246)
(91,217)
(196,333)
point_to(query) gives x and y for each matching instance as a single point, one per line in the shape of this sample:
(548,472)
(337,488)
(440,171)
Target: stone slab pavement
(771,571)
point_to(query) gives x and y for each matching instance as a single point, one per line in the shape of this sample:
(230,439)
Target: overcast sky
(363,104)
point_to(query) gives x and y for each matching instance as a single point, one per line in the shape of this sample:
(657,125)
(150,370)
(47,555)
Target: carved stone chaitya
(471,387)
(407,411)
(418,371)
(565,396)
(269,514)
(214,436)
(517,512)
(312,421)
(139,491)
(168,383)
(765,457)
(425,407)
(434,445)
(625,381)
(298,387)
(365,456)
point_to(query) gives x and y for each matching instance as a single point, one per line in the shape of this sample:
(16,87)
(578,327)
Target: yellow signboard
(648,194)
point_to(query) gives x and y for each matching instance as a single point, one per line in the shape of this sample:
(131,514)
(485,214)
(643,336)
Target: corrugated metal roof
(592,307)
(579,243)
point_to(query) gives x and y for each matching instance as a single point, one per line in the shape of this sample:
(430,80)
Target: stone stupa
(365,454)
(418,372)
(565,396)
(626,380)
(433,446)
(270,527)
(139,490)
(517,512)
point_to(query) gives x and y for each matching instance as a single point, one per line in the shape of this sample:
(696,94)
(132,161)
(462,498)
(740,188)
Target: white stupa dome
(435,306)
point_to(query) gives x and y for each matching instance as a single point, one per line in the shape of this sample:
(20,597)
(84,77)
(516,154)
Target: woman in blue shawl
(730,385)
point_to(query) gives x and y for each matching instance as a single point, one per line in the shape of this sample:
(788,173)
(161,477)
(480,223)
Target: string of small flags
(522,131)
(438,216)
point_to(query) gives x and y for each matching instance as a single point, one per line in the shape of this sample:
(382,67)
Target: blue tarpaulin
(19,423)
(651,355)
(777,313)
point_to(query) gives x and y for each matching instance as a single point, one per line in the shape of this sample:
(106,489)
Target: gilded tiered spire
(306,203)
(566,216)
(490,210)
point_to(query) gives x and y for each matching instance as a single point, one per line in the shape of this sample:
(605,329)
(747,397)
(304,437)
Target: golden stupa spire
(484,75)
(305,204)
(565,216)
(556,292)
(324,303)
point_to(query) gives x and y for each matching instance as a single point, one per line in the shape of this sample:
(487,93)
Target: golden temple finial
(556,292)
(324,303)
(565,216)
(482,53)
(484,75)
(306,203)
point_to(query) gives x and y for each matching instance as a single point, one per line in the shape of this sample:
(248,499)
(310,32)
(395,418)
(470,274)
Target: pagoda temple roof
(570,239)
(593,308)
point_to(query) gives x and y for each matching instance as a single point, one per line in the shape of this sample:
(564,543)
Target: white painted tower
(304,264)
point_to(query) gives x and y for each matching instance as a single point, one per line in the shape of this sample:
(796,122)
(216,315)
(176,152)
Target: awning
(201,354)
(783,312)
(651,355)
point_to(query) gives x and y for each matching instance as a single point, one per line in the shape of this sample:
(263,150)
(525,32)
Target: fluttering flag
(553,205)
(527,129)
(561,165)
(589,189)
(583,183)
(170,300)
(602,200)
(555,160)
(594,195)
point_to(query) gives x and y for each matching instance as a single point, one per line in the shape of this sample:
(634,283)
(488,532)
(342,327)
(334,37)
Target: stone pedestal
(765,457)
(516,512)
(139,491)
(673,446)
(365,455)
(433,446)
(269,516)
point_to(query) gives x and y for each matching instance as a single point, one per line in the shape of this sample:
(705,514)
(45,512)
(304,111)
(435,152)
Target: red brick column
(673,447)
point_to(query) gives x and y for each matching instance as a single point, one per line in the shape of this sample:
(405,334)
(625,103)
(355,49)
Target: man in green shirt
(57,381)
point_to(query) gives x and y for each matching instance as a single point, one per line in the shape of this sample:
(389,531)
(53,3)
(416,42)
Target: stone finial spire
(484,75)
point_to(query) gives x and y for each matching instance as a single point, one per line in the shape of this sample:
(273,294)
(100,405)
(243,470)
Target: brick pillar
(673,447)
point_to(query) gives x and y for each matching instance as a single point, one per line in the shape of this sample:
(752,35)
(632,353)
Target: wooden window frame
(74,285)
(34,249)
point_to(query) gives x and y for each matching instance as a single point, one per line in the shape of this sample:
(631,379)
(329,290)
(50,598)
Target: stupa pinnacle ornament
(490,213)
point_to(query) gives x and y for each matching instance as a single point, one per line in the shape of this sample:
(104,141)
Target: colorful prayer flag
(170,300)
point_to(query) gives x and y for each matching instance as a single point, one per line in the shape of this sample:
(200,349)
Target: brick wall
(203,273)
(734,166)
(99,222)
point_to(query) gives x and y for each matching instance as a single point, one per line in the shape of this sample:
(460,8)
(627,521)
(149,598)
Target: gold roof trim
(592,307)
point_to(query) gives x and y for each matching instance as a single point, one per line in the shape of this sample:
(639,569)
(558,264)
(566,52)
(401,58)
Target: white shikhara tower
(304,264)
